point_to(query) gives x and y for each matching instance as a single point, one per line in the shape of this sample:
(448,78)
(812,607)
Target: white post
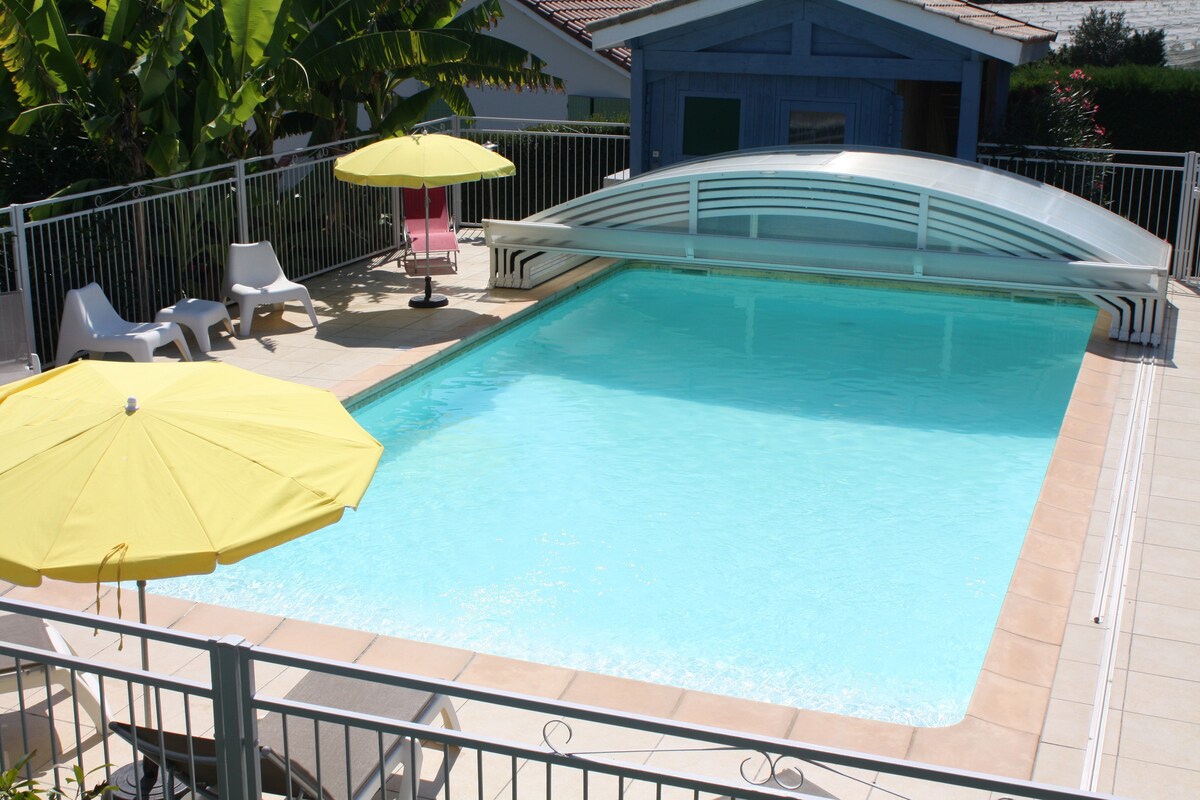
(17,216)
(243,206)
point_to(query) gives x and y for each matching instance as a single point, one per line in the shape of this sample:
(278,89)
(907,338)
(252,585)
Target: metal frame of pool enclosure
(860,213)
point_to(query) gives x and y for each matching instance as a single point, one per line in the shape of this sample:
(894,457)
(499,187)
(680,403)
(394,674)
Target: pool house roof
(863,213)
(975,27)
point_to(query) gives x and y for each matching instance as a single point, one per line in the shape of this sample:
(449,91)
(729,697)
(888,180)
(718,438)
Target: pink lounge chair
(442,238)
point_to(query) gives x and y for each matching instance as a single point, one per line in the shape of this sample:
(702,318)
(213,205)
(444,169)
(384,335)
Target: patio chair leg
(312,314)
(245,318)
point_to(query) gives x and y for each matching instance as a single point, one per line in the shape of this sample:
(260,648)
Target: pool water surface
(801,492)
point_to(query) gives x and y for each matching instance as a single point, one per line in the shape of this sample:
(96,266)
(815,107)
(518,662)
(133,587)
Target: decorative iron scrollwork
(783,771)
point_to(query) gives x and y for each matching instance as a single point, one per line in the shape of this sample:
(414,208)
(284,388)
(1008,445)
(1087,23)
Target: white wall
(585,72)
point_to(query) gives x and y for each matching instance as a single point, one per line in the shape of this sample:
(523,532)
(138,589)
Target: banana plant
(162,86)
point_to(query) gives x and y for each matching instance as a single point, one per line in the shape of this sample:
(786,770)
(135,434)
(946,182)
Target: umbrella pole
(430,300)
(141,586)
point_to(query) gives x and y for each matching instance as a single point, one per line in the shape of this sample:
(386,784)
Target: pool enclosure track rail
(1113,576)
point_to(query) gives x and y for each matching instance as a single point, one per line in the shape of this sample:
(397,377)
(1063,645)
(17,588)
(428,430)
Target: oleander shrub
(1140,107)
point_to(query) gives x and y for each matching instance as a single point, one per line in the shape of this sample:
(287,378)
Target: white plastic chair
(89,322)
(33,675)
(254,277)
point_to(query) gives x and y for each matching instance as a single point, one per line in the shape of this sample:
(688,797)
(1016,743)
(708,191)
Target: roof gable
(956,21)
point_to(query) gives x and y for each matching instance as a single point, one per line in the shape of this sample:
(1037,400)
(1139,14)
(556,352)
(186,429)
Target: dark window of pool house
(711,125)
(817,127)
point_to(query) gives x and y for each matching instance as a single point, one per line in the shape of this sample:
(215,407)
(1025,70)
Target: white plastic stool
(197,316)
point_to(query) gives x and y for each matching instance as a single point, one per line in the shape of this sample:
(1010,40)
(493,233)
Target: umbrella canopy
(421,160)
(117,471)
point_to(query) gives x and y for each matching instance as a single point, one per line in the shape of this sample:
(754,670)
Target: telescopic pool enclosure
(860,213)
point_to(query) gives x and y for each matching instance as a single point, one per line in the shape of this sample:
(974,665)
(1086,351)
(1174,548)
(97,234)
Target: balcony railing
(230,719)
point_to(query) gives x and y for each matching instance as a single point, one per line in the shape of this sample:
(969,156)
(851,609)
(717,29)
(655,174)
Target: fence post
(1184,266)
(243,206)
(397,219)
(233,718)
(456,190)
(16,214)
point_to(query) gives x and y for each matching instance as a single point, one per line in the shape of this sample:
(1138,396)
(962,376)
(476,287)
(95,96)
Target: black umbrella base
(428,301)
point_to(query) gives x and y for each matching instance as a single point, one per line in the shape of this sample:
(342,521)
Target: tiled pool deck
(1030,711)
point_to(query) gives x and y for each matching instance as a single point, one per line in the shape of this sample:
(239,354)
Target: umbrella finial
(131,405)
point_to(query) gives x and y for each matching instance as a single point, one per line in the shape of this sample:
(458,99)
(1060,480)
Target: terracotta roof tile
(572,16)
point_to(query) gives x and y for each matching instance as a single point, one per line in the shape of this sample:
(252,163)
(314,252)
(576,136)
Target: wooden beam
(968,109)
(812,66)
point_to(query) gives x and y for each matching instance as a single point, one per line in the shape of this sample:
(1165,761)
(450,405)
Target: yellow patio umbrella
(419,161)
(115,471)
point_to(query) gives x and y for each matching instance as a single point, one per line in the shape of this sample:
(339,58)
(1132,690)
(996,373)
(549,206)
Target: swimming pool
(795,491)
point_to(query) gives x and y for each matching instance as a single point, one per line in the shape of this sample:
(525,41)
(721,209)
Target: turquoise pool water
(799,492)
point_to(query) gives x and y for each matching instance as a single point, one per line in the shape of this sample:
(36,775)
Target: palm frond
(18,52)
(383,52)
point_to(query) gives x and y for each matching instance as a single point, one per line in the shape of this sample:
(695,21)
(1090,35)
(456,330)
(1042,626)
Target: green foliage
(14,786)
(1058,111)
(1142,108)
(56,153)
(1104,39)
(162,86)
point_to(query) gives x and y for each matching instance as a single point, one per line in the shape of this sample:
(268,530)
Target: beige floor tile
(638,697)
(214,621)
(325,641)
(701,708)
(1167,622)
(1009,702)
(1075,681)
(1052,551)
(1043,584)
(1165,657)
(1171,560)
(1058,765)
(1174,534)
(1032,618)
(513,675)
(1066,724)
(417,658)
(1160,741)
(852,733)
(1159,696)
(1142,779)
(1173,510)
(1021,658)
(1170,590)
(1175,486)
(977,745)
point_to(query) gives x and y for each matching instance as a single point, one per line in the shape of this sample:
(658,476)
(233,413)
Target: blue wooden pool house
(710,76)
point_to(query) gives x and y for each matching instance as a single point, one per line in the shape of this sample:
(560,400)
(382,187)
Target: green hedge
(1143,108)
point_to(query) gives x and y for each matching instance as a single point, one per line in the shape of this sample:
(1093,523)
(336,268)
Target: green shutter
(579,107)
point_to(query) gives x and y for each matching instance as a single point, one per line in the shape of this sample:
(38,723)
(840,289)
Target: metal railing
(208,729)
(1158,191)
(556,161)
(152,243)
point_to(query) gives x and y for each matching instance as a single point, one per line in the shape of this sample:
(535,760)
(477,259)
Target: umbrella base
(428,301)
(126,780)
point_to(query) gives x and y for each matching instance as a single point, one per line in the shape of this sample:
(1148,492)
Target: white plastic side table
(197,316)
